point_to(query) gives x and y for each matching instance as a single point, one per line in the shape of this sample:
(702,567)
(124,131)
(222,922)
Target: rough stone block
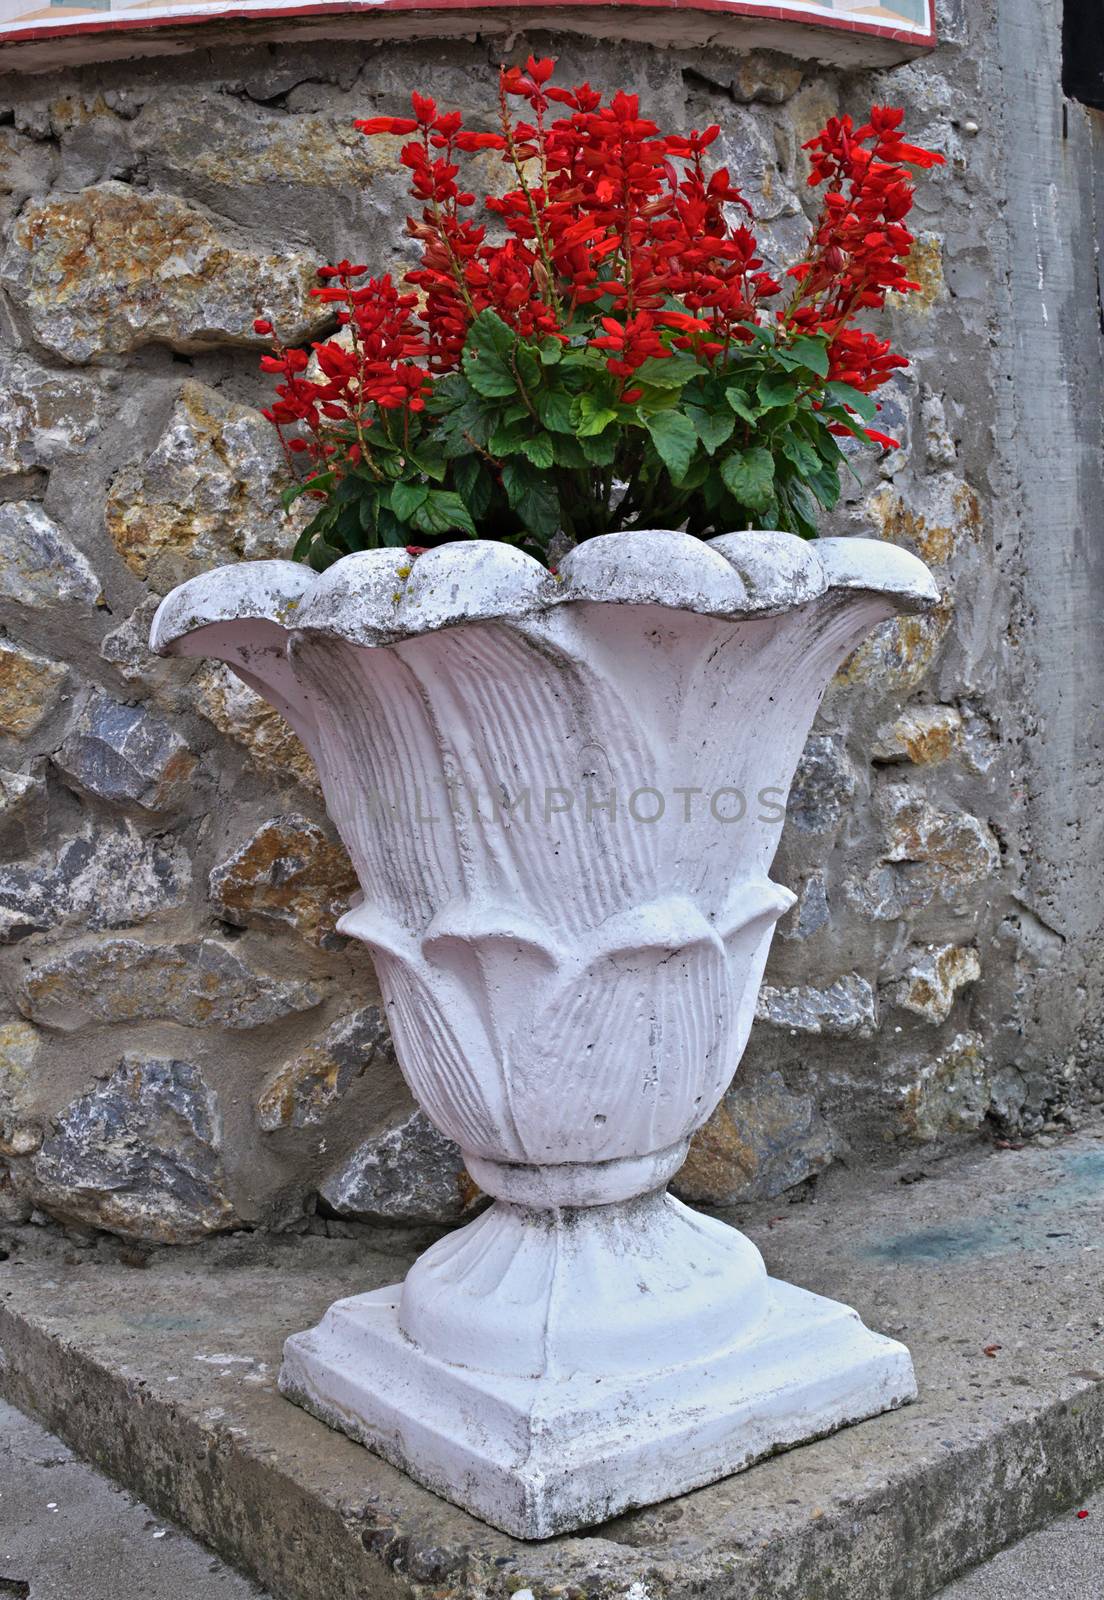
(929,852)
(924,735)
(201,985)
(45,416)
(950,1094)
(934,976)
(75,263)
(409,1173)
(240,713)
(39,566)
(845,1009)
(760,1141)
(127,756)
(99,878)
(30,685)
(303,1091)
(823,787)
(20,1131)
(288,872)
(24,812)
(207,494)
(139,1154)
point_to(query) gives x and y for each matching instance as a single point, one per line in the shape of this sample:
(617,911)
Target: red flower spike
(615,235)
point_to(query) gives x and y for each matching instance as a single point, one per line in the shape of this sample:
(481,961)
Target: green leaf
(538,450)
(742,406)
(676,439)
(591,417)
(776,389)
(554,410)
(667,372)
(568,452)
(801,453)
(749,477)
(474,484)
(443,511)
(489,335)
(489,375)
(825,484)
(407,498)
(533,497)
(811,353)
(713,428)
(599,452)
(843,394)
(550,352)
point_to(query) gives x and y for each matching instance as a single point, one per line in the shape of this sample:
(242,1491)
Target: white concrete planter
(570,982)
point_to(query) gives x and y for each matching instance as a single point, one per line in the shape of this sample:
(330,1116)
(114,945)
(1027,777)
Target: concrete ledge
(166,1378)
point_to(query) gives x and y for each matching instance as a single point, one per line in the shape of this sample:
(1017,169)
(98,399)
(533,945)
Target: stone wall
(186,1045)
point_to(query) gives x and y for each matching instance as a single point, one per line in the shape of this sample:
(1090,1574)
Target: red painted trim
(17,33)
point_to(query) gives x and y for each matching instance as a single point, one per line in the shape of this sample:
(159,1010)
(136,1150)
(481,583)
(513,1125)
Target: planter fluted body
(562,794)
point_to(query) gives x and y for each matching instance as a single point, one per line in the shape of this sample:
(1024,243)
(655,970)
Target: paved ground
(1065,1560)
(66,1533)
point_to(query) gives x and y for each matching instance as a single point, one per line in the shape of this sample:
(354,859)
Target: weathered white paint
(570,991)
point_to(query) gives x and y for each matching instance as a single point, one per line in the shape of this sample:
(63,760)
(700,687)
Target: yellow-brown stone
(29,688)
(949,1095)
(288,872)
(105,271)
(924,735)
(240,713)
(951,514)
(898,655)
(207,494)
(923,266)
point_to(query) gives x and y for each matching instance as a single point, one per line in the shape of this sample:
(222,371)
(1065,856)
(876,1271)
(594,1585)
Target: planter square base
(540,1456)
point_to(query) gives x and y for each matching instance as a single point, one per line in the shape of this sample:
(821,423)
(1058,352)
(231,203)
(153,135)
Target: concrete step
(67,1533)
(1063,1561)
(165,1377)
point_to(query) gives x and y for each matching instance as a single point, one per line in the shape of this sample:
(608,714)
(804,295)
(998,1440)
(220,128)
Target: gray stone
(246,717)
(230,153)
(206,984)
(24,812)
(933,977)
(302,1092)
(127,755)
(20,1130)
(208,493)
(823,787)
(102,877)
(39,566)
(950,1094)
(45,417)
(938,444)
(812,911)
(930,852)
(26,167)
(408,1173)
(139,1154)
(75,263)
(760,1141)
(127,646)
(845,1009)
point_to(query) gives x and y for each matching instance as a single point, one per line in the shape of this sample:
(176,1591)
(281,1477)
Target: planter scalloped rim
(562,794)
